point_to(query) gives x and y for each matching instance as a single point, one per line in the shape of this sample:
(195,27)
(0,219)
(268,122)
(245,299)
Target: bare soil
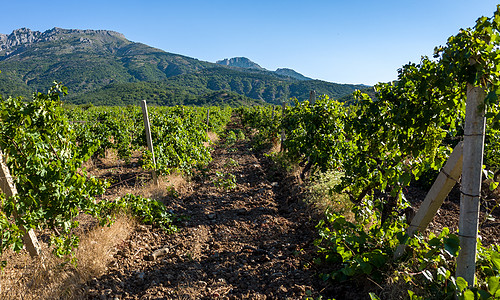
(254,241)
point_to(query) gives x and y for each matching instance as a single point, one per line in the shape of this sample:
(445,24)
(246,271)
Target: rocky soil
(254,241)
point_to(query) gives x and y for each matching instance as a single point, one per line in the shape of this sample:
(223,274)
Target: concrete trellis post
(467,160)
(474,130)
(312,97)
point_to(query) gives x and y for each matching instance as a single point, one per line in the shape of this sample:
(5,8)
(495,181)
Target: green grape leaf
(452,245)
(461,284)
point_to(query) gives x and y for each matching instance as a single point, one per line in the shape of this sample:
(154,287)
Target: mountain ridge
(26,37)
(87,61)
(291,73)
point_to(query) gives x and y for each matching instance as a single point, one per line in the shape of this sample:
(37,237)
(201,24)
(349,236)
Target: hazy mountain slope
(291,73)
(103,66)
(184,88)
(85,59)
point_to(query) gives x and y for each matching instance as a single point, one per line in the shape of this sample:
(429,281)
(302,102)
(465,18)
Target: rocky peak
(240,62)
(18,37)
(3,38)
(26,36)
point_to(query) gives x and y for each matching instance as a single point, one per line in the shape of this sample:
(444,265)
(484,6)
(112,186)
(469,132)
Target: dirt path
(254,241)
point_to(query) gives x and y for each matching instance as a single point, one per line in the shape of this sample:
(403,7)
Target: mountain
(103,67)
(84,59)
(245,63)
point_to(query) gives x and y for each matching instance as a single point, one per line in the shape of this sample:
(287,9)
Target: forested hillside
(103,67)
(187,88)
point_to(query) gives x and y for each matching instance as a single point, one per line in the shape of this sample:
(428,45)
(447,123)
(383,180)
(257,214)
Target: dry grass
(175,180)
(321,197)
(89,165)
(392,290)
(319,188)
(213,137)
(48,277)
(275,148)
(166,186)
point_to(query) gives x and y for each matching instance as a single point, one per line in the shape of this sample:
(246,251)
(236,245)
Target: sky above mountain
(334,40)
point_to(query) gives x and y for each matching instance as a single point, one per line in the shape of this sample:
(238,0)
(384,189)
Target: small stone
(143,228)
(140,275)
(211,216)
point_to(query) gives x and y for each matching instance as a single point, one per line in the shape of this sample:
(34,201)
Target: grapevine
(381,145)
(41,151)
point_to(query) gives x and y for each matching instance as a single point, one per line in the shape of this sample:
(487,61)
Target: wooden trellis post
(208,118)
(148,138)
(9,189)
(282,139)
(312,101)
(468,226)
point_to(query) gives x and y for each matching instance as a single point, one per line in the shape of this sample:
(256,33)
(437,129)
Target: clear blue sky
(344,41)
